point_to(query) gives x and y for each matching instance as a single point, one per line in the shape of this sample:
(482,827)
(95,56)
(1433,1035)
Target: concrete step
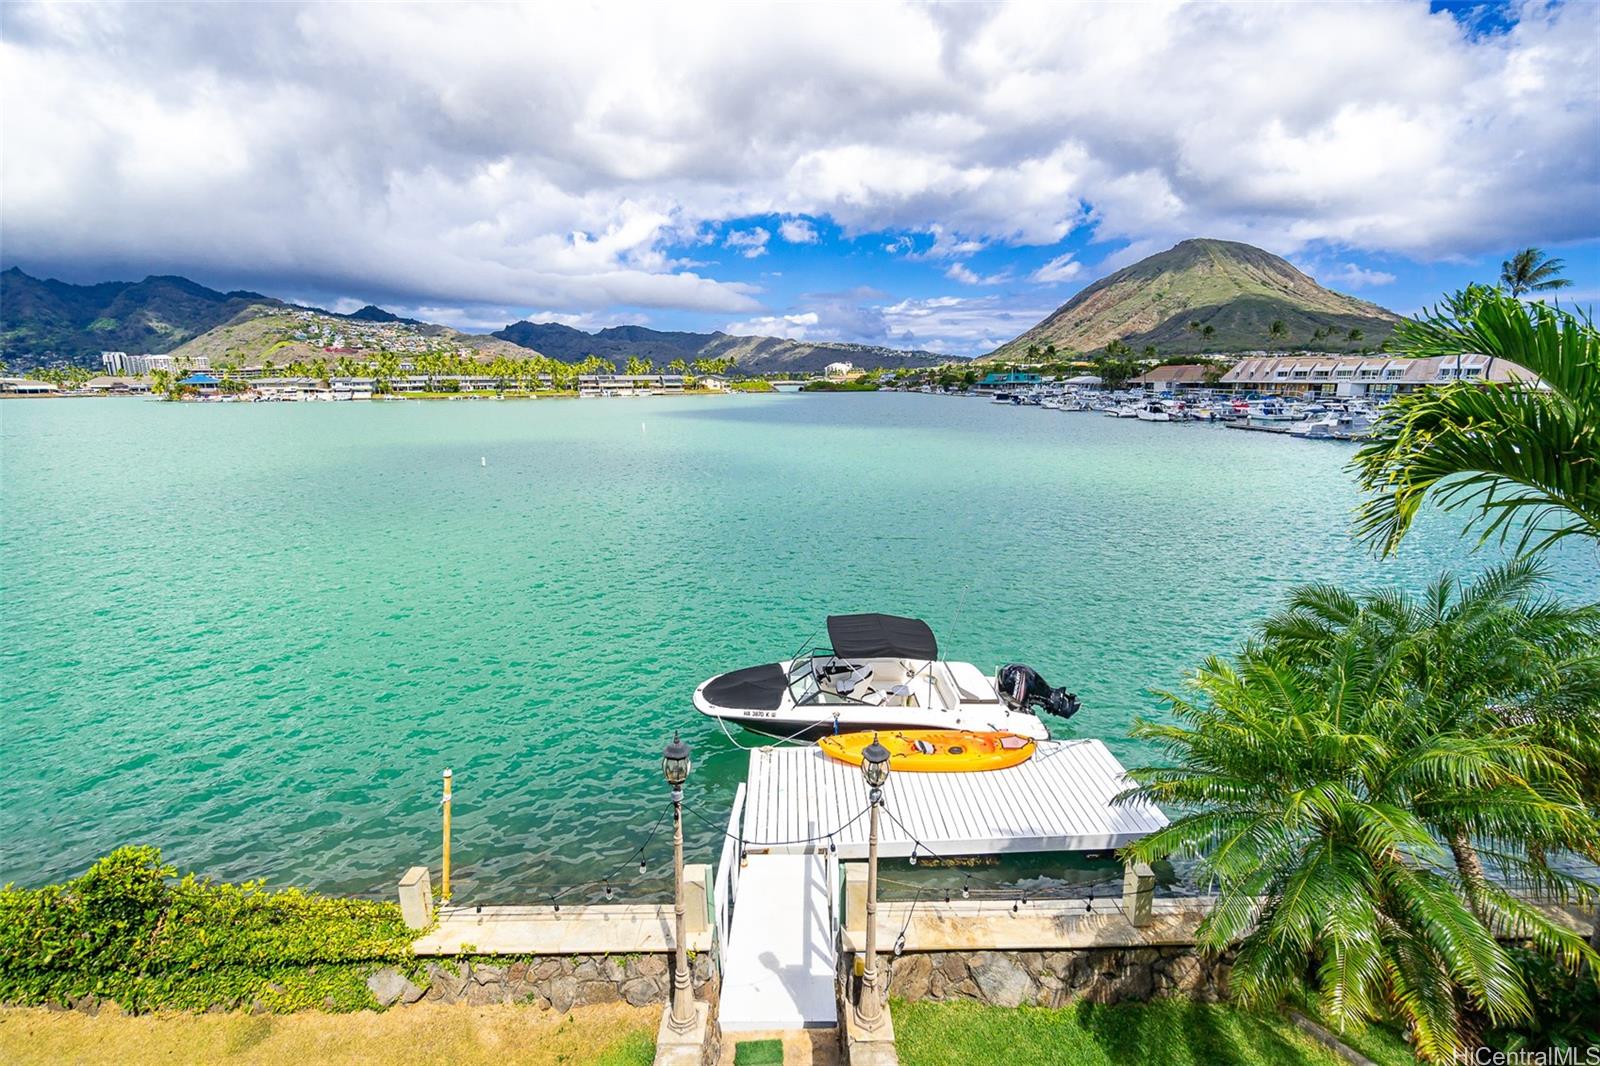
(801,1047)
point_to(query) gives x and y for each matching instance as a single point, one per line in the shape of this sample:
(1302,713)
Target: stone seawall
(1054,978)
(557,982)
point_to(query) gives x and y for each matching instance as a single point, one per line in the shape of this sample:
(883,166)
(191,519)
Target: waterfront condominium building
(114,362)
(1362,375)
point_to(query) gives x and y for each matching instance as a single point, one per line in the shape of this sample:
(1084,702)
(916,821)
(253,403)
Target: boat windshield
(823,677)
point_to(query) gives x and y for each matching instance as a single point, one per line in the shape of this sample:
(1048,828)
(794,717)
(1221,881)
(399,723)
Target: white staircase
(779,957)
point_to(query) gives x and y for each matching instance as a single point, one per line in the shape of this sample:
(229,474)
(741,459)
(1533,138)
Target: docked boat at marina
(1154,411)
(1338,425)
(883,672)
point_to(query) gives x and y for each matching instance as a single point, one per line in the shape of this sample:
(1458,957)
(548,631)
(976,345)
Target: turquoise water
(255,634)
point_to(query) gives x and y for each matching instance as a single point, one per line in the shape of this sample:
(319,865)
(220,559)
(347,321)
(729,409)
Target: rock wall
(1054,978)
(558,982)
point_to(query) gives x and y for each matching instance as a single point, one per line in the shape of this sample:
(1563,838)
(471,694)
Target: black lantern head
(875,764)
(675,762)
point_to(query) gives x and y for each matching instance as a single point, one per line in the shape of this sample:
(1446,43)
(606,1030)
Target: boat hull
(756,699)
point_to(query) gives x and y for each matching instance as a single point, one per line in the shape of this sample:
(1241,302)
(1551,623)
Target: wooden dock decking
(1059,800)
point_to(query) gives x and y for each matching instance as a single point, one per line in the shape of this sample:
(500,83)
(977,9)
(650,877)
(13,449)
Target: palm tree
(1354,335)
(1208,331)
(1193,327)
(1314,777)
(1524,456)
(1530,271)
(1493,655)
(1277,330)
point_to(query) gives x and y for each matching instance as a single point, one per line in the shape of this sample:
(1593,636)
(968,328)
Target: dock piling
(1138,892)
(416,898)
(444,879)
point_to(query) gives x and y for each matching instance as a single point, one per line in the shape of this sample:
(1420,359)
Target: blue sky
(820,265)
(927,176)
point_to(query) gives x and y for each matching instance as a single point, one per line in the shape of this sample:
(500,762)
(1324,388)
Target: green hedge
(128,930)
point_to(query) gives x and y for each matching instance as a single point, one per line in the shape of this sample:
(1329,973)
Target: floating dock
(1059,800)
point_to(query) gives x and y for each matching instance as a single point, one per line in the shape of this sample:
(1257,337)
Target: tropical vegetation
(129,931)
(1363,781)
(1522,458)
(1530,270)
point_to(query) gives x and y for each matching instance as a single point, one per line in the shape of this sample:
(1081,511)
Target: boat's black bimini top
(880,636)
(757,688)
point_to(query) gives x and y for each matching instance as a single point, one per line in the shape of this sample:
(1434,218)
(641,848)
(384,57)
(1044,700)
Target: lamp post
(675,768)
(875,768)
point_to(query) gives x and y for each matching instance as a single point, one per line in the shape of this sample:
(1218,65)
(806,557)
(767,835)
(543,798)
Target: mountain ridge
(753,354)
(1237,289)
(44,320)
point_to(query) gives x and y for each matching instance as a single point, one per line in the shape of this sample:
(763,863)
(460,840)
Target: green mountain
(285,334)
(754,355)
(43,320)
(1236,289)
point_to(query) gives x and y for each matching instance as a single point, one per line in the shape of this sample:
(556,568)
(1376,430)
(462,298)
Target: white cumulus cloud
(563,156)
(748,242)
(1352,276)
(967,276)
(794,327)
(798,231)
(1061,268)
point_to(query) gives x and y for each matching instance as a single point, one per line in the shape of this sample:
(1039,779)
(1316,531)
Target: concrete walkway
(615,928)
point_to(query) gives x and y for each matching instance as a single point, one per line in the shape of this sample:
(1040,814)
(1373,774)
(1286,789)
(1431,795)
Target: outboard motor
(1021,688)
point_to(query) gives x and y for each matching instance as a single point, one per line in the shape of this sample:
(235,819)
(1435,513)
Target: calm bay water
(254,634)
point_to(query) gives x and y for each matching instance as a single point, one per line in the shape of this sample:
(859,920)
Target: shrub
(128,932)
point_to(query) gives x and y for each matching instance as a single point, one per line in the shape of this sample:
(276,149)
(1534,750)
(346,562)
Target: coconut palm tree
(1531,271)
(1523,456)
(1208,331)
(1277,330)
(1313,777)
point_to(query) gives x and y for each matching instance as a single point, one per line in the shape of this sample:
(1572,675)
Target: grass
(1171,1032)
(758,1053)
(610,1035)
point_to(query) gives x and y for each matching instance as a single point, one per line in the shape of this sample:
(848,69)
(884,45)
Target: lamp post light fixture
(875,769)
(675,768)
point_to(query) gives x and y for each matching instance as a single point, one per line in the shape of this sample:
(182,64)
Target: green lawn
(1171,1032)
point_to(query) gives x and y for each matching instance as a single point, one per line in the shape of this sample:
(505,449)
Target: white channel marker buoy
(483,460)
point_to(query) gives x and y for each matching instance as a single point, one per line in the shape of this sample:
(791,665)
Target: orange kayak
(934,750)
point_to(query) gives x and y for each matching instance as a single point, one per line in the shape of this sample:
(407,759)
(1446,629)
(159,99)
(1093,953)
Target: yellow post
(444,882)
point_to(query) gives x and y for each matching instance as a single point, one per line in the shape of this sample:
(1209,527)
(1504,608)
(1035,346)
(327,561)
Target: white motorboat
(1154,411)
(1347,425)
(881,671)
